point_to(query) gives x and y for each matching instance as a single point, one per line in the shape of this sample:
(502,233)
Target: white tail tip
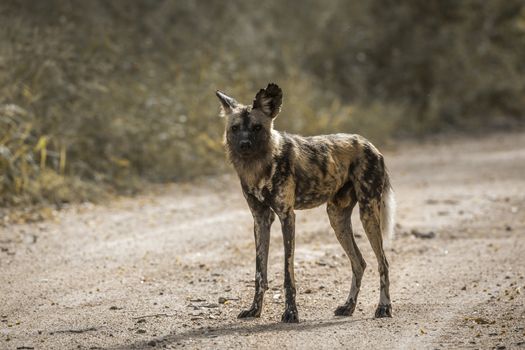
(388,212)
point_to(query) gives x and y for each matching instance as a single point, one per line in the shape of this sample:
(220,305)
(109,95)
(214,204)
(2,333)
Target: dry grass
(103,96)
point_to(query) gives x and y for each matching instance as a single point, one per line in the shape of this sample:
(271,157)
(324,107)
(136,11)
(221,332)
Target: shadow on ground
(242,328)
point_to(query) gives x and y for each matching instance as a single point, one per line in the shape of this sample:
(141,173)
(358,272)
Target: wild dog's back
(323,164)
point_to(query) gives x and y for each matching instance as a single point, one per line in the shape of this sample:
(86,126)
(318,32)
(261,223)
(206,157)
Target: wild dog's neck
(252,171)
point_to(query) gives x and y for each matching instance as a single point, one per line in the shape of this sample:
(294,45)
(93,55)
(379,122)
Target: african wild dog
(280,172)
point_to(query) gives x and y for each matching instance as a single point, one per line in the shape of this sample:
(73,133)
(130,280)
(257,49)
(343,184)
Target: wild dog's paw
(252,312)
(346,309)
(383,311)
(290,315)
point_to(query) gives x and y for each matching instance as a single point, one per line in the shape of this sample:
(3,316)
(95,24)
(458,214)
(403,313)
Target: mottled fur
(280,172)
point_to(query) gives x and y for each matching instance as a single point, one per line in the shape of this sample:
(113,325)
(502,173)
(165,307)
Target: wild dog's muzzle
(245,145)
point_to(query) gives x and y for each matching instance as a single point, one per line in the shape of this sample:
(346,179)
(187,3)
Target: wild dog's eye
(257,127)
(235,128)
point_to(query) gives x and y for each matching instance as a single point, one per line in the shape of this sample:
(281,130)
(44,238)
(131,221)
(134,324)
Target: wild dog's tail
(388,210)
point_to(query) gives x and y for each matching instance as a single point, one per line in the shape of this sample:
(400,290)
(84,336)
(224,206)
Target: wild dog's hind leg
(369,212)
(263,218)
(339,212)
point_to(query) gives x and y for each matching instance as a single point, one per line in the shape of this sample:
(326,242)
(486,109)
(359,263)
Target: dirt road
(149,271)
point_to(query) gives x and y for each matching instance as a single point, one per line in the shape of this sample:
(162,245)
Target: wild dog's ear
(269,100)
(228,103)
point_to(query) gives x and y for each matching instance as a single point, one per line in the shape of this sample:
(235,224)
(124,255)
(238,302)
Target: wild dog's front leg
(263,218)
(287,218)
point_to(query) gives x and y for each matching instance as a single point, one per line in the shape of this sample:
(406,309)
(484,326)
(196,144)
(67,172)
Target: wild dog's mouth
(245,153)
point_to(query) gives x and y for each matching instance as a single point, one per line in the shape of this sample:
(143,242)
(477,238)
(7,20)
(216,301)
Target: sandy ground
(172,269)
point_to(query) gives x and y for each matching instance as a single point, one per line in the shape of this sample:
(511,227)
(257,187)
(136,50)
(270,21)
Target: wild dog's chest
(261,189)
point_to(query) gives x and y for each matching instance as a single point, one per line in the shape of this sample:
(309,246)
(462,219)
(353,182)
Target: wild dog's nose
(245,145)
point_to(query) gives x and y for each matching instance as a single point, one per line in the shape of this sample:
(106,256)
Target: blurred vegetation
(99,96)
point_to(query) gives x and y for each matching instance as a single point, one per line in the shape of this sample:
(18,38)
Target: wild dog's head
(248,133)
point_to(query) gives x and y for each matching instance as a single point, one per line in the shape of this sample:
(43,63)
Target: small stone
(197,300)
(423,235)
(210,306)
